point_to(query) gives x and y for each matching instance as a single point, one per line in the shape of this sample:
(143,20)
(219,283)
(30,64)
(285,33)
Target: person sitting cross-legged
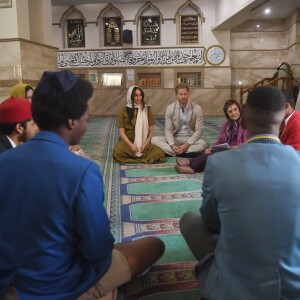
(247,235)
(136,126)
(184,126)
(55,233)
(232,134)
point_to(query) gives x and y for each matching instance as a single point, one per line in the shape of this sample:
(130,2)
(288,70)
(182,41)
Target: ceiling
(255,11)
(280,9)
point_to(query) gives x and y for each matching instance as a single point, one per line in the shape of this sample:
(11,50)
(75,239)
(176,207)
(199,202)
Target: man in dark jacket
(16,124)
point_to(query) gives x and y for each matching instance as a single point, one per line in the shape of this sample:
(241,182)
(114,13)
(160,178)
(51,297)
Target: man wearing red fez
(16,124)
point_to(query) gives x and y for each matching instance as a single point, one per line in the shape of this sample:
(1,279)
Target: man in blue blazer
(55,240)
(247,239)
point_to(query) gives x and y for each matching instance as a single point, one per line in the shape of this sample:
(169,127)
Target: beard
(24,137)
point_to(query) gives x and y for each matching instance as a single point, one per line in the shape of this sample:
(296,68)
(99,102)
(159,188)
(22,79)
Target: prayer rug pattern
(148,200)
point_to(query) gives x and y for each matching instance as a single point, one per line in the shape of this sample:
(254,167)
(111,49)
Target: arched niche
(114,17)
(193,7)
(72,13)
(148,9)
(189,10)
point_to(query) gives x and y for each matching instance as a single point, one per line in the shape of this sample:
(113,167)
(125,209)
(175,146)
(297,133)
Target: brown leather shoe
(182,162)
(184,169)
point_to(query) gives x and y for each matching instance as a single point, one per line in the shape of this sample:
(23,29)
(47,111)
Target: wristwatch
(215,55)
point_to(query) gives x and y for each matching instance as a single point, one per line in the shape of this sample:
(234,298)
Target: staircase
(282,79)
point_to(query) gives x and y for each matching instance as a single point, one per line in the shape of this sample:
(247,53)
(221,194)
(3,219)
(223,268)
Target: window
(111,79)
(149,79)
(191,79)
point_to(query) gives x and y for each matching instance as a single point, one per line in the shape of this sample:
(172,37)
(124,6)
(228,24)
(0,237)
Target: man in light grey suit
(247,239)
(184,126)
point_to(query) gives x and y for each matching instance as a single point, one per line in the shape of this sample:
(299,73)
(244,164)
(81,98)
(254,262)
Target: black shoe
(190,154)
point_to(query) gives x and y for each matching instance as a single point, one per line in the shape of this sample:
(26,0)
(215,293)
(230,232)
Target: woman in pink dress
(232,133)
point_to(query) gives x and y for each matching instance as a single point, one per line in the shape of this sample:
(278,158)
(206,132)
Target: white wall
(169,29)
(9,16)
(28,19)
(40,16)
(227,8)
(23,19)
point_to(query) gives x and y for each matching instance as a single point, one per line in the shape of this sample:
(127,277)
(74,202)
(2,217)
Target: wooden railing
(284,83)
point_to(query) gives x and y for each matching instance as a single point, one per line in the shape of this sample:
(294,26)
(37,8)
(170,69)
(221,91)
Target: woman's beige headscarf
(141,125)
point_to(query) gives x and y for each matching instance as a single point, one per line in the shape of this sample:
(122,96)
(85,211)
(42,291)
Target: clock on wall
(215,55)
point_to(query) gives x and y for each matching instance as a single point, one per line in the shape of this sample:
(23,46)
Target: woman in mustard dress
(135,123)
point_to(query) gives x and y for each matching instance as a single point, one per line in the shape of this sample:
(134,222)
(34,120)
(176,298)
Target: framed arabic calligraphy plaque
(215,55)
(150,30)
(189,29)
(75,33)
(112,31)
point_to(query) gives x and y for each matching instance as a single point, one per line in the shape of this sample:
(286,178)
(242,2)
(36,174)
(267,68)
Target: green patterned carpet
(144,200)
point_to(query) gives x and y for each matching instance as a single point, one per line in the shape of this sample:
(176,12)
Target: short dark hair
(7,128)
(289,98)
(52,106)
(228,103)
(265,107)
(266,99)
